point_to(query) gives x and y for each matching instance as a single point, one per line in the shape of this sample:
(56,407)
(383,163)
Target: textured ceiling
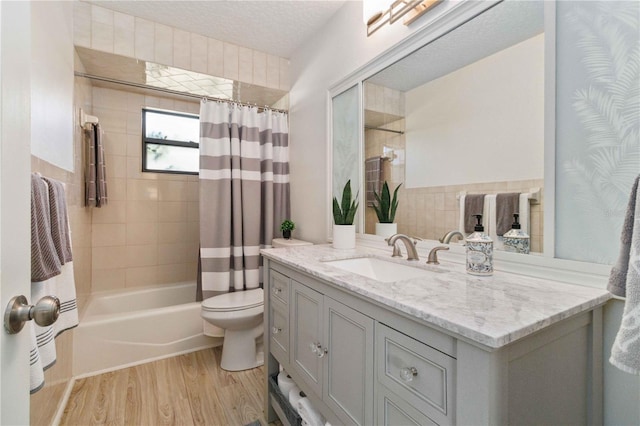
(504,25)
(275,27)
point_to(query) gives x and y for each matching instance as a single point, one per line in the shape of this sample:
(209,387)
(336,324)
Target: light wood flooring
(188,389)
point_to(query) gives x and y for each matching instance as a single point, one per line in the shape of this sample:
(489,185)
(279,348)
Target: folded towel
(45,262)
(506,205)
(59,220)
(473,204)
(373,173)
(309,414)
(625,352)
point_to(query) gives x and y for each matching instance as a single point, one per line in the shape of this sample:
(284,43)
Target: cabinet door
(348,379)
(393,411)
(279,331)
(306,333)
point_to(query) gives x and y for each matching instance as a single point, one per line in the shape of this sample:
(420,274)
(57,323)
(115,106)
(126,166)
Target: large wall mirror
(462,115)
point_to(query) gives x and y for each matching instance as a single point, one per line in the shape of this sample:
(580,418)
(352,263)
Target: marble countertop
(493,311)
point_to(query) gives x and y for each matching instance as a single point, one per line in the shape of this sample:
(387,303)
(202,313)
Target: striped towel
(59,220)
(45,262)
(95,173)
(373,172)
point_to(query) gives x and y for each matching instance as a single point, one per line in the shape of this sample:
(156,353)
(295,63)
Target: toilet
(240,315)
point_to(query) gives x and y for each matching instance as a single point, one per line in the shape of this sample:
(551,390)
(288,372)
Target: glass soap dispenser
(479,247)
(516,240)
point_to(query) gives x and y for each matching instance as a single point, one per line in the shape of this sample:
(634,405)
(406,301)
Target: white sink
(378,269)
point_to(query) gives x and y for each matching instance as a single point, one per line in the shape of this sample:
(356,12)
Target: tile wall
(148,232)
(114,32)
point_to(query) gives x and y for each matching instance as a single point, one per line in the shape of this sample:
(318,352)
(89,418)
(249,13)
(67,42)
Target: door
(15,227)
(306,334)
(348,383)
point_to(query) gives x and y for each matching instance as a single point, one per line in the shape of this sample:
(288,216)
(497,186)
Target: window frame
(169,142)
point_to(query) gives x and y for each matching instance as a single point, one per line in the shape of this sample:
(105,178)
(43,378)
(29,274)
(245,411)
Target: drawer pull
(275,330)
(408,373)
(277,290)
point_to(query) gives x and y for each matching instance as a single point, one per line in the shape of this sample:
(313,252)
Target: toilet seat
(235,301)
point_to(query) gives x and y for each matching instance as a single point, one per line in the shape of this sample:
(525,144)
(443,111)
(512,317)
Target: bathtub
(129,327)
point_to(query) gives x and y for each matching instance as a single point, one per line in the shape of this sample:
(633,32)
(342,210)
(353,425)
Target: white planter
(344,236)
(385,230)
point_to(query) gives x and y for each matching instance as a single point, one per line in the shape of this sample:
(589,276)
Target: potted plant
(286,227)
(344,231)
(385,208)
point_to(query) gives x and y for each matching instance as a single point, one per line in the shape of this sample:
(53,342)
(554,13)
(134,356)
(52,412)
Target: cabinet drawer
(417,373)
(279,330)
(279,287)
(392,411)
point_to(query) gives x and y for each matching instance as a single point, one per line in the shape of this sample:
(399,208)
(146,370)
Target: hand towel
(59,220)
(95,169)
(473,204)
(309,414)
(625,281)
(506,205)
(64,288)
(44,258)
(43,346)
(373,173)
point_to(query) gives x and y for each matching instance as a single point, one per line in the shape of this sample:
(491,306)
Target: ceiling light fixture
(376,13)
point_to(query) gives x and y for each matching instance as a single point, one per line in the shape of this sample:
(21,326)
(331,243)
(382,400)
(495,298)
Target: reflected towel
(625,281)
(45,262)
(473,204)
(506,205)
(373,173)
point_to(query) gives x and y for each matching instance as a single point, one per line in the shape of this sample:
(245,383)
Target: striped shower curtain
(244,193)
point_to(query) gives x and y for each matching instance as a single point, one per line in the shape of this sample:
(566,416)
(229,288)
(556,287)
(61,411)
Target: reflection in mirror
(462,115)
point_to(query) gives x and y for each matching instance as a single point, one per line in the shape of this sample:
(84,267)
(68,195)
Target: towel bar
(533,195)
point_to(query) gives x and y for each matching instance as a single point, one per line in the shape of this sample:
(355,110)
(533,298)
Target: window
(170,142)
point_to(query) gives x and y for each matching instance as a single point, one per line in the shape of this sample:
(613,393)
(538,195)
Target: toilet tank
(281,242)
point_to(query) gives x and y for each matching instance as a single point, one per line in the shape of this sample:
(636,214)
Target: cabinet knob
(314,347)
(408,373)
(277,290)
(275,330)
(322,351)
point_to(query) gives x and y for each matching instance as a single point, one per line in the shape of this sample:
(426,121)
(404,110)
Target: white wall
(479,123)
(52,82)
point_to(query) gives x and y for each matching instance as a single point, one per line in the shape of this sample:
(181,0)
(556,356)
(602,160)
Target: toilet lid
(234,301)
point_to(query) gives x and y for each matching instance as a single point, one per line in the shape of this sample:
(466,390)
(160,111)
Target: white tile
(198,53)
(284,74)
(245,65)
(181,49)
(145,36)
(82,24)
(215,58)
(102,37)
(259,68)
(124,34)
(273,71)
(163,44)
(102,15)
(230,61)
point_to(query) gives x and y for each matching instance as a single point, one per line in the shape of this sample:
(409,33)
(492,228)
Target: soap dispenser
(516,240)
(479,248)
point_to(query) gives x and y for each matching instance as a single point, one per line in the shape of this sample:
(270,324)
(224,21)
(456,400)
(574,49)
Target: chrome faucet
(433,255)
(449,235)
(412,253)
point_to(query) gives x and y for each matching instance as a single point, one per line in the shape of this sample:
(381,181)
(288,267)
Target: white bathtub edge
(63,402)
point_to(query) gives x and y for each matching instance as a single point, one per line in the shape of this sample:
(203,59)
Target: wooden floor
(188,389)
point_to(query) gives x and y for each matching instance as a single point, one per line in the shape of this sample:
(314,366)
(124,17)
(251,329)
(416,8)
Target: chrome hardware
(275,330)
(316,348)
(408,373)
(412,253)
(18,311)
(433,255)
(446,239)
(277,290)
(322,351)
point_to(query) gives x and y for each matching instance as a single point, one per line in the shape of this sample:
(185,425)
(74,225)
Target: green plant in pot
(344,212)
(286,227)
(385,207)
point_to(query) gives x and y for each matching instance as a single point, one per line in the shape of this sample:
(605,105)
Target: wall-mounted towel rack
(87,119)
(533,195)
(382,129)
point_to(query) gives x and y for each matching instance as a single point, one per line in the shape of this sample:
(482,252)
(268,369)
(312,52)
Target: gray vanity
(440,348)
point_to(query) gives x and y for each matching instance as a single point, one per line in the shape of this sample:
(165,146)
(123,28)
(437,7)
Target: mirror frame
(445,23)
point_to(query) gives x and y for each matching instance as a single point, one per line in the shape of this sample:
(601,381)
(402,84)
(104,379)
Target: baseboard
(63,402)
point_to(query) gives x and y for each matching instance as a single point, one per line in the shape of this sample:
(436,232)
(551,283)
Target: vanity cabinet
(361,361)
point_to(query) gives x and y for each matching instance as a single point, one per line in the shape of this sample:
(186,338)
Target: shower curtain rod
(382,129)
(171,92)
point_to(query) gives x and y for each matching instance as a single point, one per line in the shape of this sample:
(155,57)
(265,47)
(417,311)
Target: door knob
(18,311)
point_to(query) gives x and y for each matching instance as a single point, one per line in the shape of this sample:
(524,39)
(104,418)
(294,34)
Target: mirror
(462,115)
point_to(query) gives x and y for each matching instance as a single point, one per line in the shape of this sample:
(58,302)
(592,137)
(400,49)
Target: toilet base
(240,351)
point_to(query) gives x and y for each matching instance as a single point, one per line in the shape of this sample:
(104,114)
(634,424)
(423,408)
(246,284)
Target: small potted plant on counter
(385,208)
(286,227)
(344,231)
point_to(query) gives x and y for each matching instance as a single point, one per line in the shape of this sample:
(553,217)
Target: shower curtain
(244,193)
